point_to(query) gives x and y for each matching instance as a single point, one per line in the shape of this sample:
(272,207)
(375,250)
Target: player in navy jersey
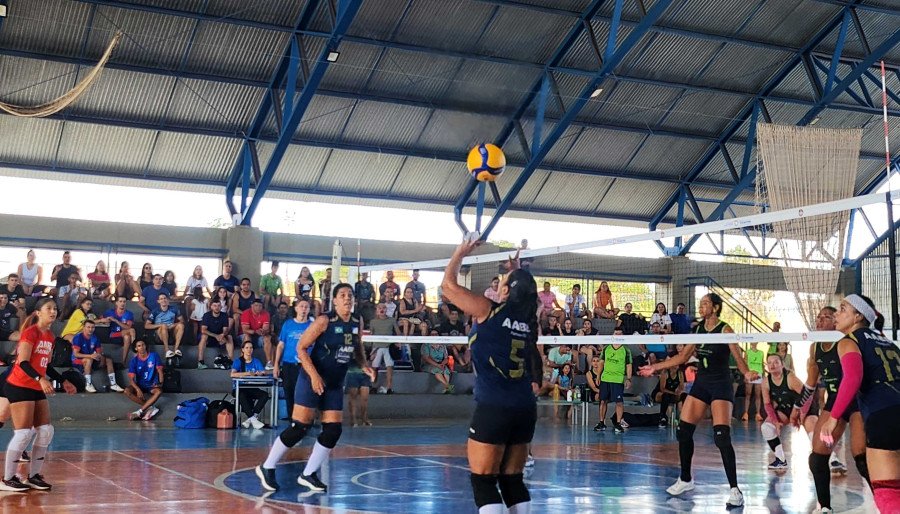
(325,351)
(871,373)
(507,376)
(712,388)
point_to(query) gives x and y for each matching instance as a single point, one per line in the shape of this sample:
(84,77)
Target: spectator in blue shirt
(150,295)
(215,325)
(681,323)
(166,320)
(252,399)
(121,322)
(85,351)
(146,373)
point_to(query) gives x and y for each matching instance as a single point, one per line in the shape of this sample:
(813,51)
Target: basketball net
(801,166)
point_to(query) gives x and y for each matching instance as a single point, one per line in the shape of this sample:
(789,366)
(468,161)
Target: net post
(892,266)
(337,252)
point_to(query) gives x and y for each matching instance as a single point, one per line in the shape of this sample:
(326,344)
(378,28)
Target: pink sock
(887,496)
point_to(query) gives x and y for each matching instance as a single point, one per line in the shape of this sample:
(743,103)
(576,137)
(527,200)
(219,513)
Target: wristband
(805,396)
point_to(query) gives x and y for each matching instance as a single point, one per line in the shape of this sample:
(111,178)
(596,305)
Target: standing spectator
(72,293)
(604,307)
(661,316)
(773,347)
(77,319)
(241,302)
(146,278)
(383,325)
(121,322)
(454,327)
(197,280)
(756,361)
(615,378)
(631,322)
(170,285)
(364,293)
(126,286)
(493,293)
(252,399)
(287,363)
(16,295)
(256,326)
(146,373)
(226,279)
(325,290)
(419,289)
(7,313)
(435,360)
(410,310)
(271,288)
(85,351)
(358,385)
(100,282)
(550,307)
(215,325)
(32,274)
(167,322)
(783,350)
(575,305)
(382,289)
(150,295)
(62,271)
(681,324)
(195,306)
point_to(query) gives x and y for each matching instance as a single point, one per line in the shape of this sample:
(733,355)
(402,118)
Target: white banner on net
(771,337)
(700,228)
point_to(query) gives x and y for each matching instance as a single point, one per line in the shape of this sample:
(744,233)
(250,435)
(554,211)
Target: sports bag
(192,413)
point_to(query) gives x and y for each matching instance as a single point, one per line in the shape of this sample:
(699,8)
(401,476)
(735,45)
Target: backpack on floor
(62,354)
(192,413)
(641,420)
(215,408)
(76,378)
(172,380)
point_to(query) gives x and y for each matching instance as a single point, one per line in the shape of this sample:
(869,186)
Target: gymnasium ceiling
(419,81)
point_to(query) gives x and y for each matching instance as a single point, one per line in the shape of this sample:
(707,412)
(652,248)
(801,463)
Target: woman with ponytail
(507,375)
(871,367)
(26,389)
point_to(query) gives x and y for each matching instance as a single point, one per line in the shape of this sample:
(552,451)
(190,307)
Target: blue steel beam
(346,11)
(559,129)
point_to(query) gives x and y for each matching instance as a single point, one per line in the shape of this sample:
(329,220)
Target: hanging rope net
(800,166)
(54,106)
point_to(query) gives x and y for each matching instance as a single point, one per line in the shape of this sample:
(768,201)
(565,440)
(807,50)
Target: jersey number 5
(891,360)
(519,371)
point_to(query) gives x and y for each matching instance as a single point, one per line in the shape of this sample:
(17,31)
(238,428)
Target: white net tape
(774,337)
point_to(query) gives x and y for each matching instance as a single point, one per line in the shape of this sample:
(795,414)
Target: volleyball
(486,162)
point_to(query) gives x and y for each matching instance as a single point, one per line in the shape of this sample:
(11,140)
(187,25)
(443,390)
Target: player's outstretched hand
(646,371)
(370,372)
(69,387)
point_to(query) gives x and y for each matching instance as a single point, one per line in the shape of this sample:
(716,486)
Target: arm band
(29,370)
(770,411)
(805,396)
(52,374)
(852,366)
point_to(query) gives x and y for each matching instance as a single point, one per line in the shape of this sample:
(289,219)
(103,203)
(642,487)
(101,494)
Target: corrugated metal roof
(639,104)
(150,39)
(419,176)
(667,156)
(31,82)
(878,27)
(672,57)
(53,26)
(744,68)
(325,118)
(276,12)
(29,140)
(504,35)
(213,104)
(300,167)
(418,77)
(789,23)
(457,132)
(499,85)
(105,148)
(391,125)
(577,193)
(211,157)
(448,24)
(377,19)
(727,15)
(124,95)
(360,171)
(604,149)
(706,113)
(352,69)
(639,199)
(236,51)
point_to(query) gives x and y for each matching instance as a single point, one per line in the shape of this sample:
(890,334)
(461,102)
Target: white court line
(83,470)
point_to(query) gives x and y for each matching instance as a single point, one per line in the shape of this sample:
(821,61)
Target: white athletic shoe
(382,390)
(246,423)
(529,462)
(90,388)
(170,354)
(256,423)
(117,388)
(735,499)
(680,487)
(152,411)
(823,510)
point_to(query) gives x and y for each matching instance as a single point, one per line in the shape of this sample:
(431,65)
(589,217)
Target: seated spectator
(221,296)
(61,273)
(100,282)
(364,292)
(126,286)
(170,285)
(15,293)
(550,307)
(358,384)
(603,303)
(195,306)
(86,351)
(391,307)
(71,294)
(150,295)
(146,278)
(167,322)
(7,314)
(668,391)
(783,350)
(653,353)
(661,316)
(121,326)
(435,360)
(410,311)
(77,319)
(256,328)
(568,327)
(226,279)
(252,399)
(325,289)
(215,325)
(631,322)
(145,372)
(681,324)
(454,327)
(558,357)
(271,289)
(382,325)
(305,287)
(394,293)
(593,381)
(32,275)
(197,280)
(282,314)
(553,327)
(575,306)
(561,384)
(587,329)
(287,362)
(241,301)
(492,293)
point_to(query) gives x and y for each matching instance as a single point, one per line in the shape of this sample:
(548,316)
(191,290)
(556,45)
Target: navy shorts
(849,411)
(332,398)
(610,392)
(880,427)
(707,390)
(357,380)
(492,424)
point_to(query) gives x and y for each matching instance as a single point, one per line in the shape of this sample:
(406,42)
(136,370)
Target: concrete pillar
(244,248)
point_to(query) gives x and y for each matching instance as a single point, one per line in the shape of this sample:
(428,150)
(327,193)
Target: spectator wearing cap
(256,327)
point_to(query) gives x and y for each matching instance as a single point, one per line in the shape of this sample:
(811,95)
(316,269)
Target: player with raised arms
(507,375)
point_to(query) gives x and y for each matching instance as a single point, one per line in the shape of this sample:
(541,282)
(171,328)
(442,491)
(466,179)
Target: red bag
(225,420)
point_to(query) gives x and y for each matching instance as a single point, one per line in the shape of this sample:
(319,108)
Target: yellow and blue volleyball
(486,162)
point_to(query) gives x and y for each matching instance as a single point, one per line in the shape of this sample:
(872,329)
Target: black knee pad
(484,489)
(294,433)
(685,431)
(513,490)
(818,463)
(862,465)
(722,436)
(331,432)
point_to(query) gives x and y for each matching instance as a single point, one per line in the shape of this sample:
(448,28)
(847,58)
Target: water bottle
(578,395)
(569,395)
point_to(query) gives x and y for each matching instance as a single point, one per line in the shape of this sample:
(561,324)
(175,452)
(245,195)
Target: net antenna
(801,166)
